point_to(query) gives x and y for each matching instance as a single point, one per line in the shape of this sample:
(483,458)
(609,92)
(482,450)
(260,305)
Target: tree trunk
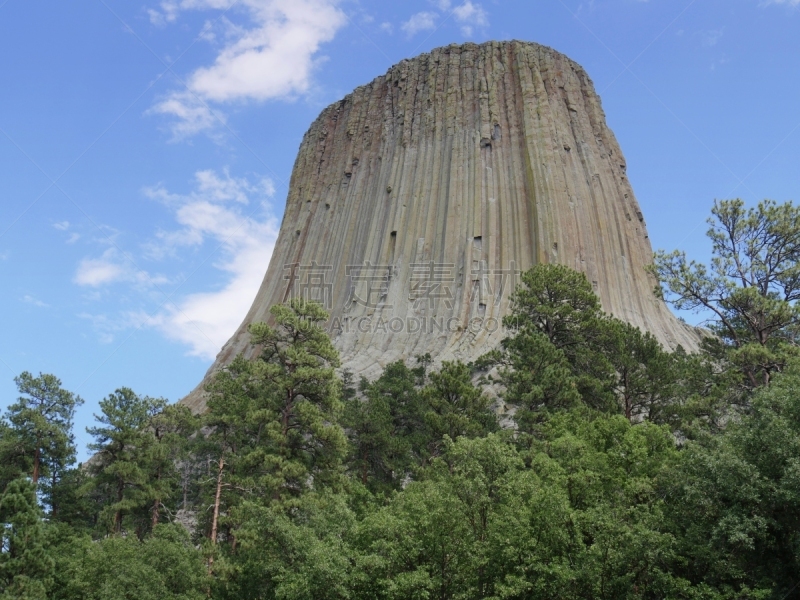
(53,504)
(156,506)
(37,458)
(118,512)
(157,503)
(215,517)
(218,495)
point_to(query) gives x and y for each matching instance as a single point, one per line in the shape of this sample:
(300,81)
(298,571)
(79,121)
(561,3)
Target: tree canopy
(580,460)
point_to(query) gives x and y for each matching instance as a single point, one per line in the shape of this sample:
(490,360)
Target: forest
(579,460)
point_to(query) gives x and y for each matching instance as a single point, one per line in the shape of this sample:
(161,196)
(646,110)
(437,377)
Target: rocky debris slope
(417,199)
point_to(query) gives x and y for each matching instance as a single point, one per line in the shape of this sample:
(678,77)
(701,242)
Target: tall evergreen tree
(25,565)
(556,305)
(386,427)
(120,467)
(455,407)
(39,432)
(750,289)
(273,422)
(302,392)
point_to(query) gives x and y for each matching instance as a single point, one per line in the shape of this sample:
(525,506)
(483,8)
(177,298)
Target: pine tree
(296,368)
(40,440)
(455,407)
(123,442)
(25,566)
(750,289)
(273,422)
(386,427)
(171,430)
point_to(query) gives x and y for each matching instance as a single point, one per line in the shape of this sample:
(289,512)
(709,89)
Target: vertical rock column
(417,199)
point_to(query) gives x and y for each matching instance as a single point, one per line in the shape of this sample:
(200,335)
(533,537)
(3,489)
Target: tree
(536,375)
(235,423)
(171,430)
(302,392)
(750,289)
(645,373)
(122,443)
(736,497)
(556,305)
(273,422)
(455,407)
(386,427)
(25,566)
(41,429)
(163,566)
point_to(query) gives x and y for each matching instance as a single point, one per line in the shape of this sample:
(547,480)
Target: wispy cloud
(65,226)
(421,21)
(468,15)
(272,56)
(28,299)
(107,327)
(214,211)
(215,214)
(94,272)
(114,267)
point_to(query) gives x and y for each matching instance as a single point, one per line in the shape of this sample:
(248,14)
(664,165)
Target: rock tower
(417,199)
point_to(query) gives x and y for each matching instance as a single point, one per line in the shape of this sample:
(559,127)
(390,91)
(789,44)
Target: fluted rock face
(416,200)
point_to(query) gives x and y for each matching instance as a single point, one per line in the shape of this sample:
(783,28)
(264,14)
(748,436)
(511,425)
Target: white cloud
(470,15)
(107,327)
(422,21)
(65,226)
(114,267)
(191,115)
(787,2)
(217,212)
(28,299)
(272,58)
(213,212)
(95,272)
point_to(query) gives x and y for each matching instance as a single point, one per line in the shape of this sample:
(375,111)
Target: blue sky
(146,147)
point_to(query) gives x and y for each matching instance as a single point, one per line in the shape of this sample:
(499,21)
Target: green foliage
(582,521)
(750,289)
(304,555)
(25,565)
(296,370)
(405,416)
(165,566)
(273,428)
(122,469)
(627,475)
(454,407)
(564,351)
(736,505)
(385,428)
(37,437)
(646,375)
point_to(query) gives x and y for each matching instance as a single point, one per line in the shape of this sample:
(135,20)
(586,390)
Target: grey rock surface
(417,199)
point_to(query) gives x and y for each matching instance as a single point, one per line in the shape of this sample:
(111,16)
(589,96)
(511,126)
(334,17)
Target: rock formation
(417,199)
